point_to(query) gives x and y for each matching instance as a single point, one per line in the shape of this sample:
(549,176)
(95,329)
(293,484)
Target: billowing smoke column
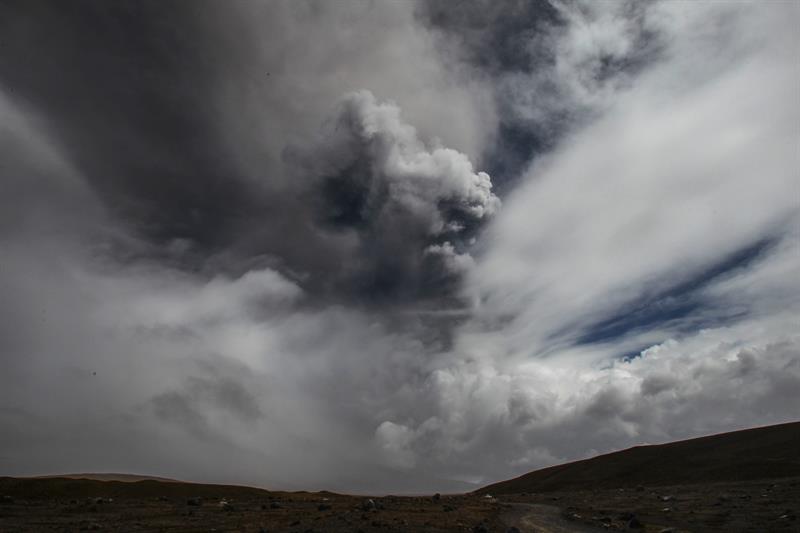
(407,210)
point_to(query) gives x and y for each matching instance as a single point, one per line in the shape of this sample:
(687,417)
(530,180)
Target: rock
(667,530)
(448,508)
(513,529)
(437,497)
(480,528)
(324,507)
(368,505)
(639,488)
(666,498)
(6,500)
(275,505)
(194,502)
(634,523)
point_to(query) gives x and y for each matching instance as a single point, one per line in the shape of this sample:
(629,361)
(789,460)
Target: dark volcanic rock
(368,505)
(634,523)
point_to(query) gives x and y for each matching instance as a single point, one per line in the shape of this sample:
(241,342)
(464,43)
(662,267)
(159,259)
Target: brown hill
(109,476)
(752,454)
(67,488)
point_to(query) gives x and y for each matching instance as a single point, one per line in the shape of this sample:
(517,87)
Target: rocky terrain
(59,504)
(741,481)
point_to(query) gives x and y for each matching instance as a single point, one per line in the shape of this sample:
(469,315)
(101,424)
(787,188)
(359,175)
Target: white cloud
(138,366)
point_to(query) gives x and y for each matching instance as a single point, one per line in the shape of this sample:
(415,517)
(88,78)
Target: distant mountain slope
(110,476)
(759,453)
(66,488)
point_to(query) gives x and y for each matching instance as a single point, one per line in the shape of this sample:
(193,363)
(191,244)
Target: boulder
(368,505)
(634,523)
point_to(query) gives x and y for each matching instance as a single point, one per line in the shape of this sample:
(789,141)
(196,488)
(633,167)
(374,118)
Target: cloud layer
(222,239)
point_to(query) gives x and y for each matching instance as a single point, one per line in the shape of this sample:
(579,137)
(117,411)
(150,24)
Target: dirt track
(541,518)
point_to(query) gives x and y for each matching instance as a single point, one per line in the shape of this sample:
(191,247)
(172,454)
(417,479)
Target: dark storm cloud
(409,211)
(244,230)
(132,91)
(125,87)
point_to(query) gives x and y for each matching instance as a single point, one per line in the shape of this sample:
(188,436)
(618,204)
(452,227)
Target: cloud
(402,206)
(233,241)
(677,201)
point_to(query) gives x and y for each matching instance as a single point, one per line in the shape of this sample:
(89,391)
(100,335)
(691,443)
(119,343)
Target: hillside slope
(760,453)
(109,476)
(66,488)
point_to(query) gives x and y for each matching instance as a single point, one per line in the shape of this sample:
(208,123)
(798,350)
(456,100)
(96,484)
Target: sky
(392,247)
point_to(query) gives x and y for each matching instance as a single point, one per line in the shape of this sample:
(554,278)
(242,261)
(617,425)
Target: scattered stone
(368,505)
(634,523)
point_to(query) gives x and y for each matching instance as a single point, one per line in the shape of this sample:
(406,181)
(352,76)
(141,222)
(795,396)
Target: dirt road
(541,518)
